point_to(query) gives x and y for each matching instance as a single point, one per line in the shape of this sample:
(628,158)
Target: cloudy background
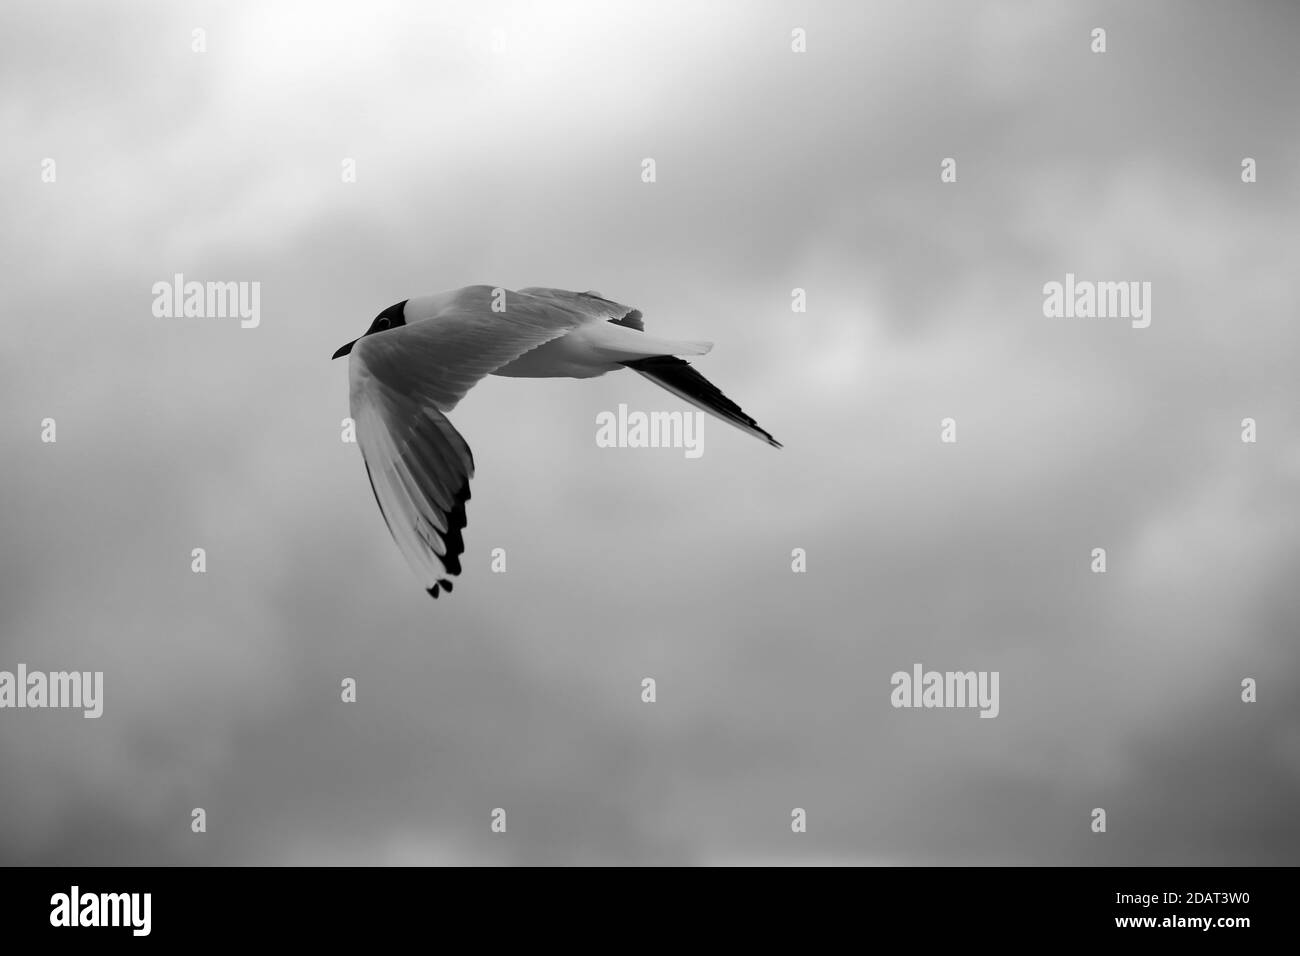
(502,144)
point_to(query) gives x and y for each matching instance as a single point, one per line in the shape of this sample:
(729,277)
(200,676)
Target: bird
(420,357)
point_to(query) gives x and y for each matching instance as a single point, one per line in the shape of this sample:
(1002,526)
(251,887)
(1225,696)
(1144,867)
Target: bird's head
(390,318)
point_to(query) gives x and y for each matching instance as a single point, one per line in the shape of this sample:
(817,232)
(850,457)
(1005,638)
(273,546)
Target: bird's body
(421,356)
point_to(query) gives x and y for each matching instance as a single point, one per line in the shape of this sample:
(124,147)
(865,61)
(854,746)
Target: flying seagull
(419,358)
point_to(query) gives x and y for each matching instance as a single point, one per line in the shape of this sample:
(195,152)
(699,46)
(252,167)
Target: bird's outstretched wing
(401,383)
(591,304)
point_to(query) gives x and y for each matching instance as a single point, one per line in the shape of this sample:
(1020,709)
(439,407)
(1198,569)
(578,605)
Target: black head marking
(390,318)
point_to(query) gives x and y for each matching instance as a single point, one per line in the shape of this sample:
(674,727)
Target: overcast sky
(503,144)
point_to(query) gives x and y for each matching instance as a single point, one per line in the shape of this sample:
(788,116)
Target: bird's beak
(345,350)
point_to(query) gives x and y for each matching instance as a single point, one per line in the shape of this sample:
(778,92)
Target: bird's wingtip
(434,591)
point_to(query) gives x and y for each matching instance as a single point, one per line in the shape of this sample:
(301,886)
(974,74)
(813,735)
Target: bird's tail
(680,378)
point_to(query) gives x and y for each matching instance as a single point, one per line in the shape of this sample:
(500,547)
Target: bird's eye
(381,324)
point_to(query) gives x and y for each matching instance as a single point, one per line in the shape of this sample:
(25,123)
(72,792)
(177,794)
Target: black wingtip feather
(455,536)
(678,375)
